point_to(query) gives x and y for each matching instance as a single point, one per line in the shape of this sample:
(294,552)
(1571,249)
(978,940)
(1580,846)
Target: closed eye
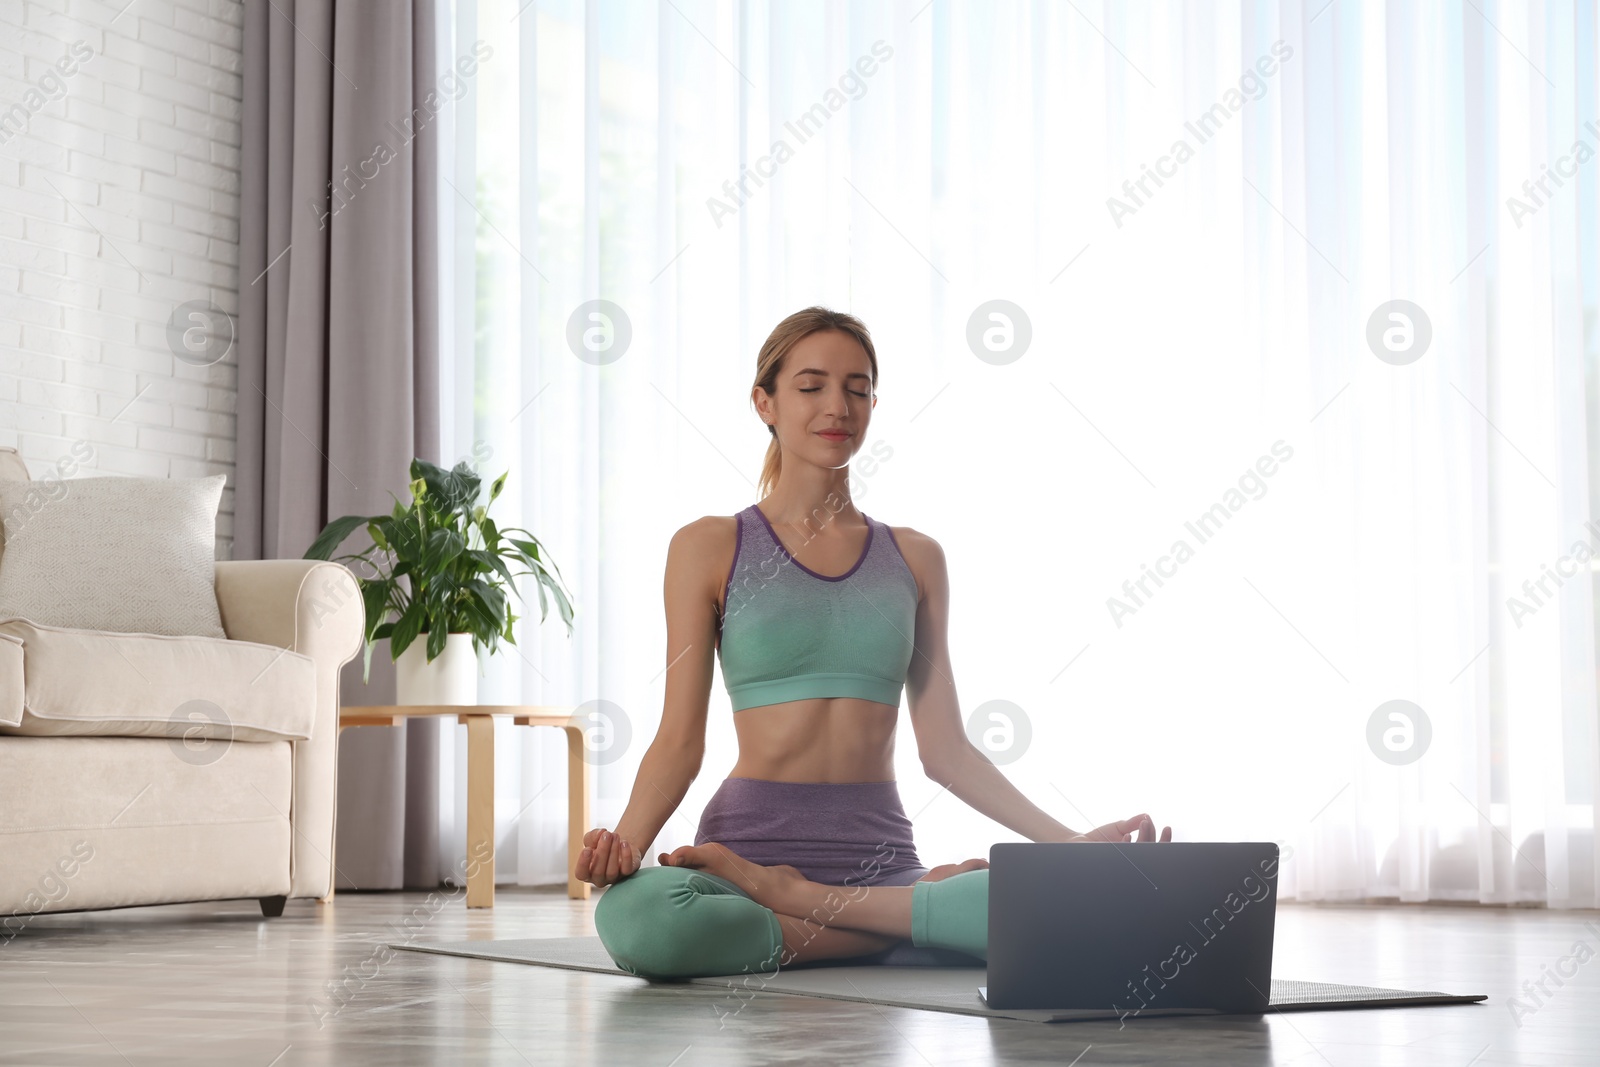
(818,388)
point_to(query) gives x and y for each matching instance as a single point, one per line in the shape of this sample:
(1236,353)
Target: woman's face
(824,400)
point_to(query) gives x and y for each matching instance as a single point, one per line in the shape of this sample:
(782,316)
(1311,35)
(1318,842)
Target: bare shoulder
(923,555)
(705,548)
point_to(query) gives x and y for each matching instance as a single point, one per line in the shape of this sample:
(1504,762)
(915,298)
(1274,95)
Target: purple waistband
(837,833)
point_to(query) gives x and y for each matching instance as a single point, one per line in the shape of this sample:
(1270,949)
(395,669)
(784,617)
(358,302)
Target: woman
(818,632)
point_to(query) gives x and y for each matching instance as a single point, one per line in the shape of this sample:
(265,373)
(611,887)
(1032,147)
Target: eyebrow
(824,374)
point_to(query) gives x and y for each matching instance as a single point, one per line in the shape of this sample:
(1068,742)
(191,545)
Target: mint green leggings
(676,922)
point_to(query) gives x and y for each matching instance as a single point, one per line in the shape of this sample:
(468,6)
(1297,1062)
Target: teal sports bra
(788,633)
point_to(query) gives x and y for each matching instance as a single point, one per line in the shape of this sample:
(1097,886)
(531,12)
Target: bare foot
(774,887)
(945,870)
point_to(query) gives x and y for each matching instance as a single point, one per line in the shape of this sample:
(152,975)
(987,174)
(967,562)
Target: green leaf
(442,547)
(333,535)
(494,599)
(493,561)
(484,619)
(406,630)
(452,490)
(468,482)
(561,601)
(375,595)
(529,548)
(406,540)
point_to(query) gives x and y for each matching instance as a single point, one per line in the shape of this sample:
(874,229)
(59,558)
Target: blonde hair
(769,362)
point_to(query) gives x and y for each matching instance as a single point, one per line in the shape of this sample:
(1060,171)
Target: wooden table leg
(577,809)
(480,809)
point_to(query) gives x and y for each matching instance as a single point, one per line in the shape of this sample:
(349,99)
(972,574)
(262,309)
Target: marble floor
(218,984)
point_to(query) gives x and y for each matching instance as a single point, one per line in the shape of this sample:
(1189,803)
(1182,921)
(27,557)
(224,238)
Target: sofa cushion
(134,555)
(10,679)
(78,682)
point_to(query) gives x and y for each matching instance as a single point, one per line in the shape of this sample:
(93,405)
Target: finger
(580,870)
(1166,833)
(613,859)
(629,860)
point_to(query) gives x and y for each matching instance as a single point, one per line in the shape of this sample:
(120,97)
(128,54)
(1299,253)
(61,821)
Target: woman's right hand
(605,859)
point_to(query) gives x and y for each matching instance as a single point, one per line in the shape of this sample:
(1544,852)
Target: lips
(833,436)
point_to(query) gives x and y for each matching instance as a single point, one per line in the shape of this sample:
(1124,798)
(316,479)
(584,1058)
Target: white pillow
(128,555)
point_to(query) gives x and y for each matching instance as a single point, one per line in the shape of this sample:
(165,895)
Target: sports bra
(788,633)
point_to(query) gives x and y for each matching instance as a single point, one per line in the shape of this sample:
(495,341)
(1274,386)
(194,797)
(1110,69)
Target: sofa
(153,769)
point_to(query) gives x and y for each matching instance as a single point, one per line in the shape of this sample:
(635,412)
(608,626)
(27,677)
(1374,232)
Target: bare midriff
(821,739)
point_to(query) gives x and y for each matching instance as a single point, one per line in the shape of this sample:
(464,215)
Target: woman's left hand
(1123,829)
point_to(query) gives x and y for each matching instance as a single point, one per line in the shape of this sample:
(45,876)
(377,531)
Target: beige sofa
(143,769)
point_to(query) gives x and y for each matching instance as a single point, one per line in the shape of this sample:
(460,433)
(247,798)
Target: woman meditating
(821,615)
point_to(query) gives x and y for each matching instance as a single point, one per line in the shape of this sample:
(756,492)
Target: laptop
(1139,928)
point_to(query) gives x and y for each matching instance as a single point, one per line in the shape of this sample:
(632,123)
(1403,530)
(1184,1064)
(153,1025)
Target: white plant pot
(452,677)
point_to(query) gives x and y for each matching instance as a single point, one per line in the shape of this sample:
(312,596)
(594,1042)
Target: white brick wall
(119,201)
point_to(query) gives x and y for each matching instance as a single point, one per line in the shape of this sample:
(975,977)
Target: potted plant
(440,570)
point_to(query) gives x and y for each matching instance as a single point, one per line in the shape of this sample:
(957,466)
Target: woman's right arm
(690,589)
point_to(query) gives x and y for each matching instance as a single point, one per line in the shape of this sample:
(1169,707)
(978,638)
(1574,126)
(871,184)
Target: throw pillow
(128,555)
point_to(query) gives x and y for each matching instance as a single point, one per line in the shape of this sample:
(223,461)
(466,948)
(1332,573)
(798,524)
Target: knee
(672,922)
(634,918)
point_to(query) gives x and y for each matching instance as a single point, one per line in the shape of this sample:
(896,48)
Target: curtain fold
(1273,512)
(339,343)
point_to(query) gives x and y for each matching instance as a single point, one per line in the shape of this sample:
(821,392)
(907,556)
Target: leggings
(677,922)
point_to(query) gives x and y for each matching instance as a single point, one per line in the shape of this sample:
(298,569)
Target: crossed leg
(860,919)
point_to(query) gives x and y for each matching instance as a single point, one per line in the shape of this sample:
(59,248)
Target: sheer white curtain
(1211,503)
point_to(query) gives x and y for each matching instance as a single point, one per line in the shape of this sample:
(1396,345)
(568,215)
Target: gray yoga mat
(922,978)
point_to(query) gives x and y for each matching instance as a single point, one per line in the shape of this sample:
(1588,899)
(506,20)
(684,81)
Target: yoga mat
(926,984)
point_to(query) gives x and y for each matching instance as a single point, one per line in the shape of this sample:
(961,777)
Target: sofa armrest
(312,607)
(305,605)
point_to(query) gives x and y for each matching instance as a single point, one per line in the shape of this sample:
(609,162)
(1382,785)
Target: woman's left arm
(948,757)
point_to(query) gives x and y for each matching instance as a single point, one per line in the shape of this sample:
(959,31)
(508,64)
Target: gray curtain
(338,344)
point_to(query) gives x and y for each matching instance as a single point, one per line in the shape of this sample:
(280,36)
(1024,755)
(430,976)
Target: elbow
(940,769)
(684,755)
(947,764)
